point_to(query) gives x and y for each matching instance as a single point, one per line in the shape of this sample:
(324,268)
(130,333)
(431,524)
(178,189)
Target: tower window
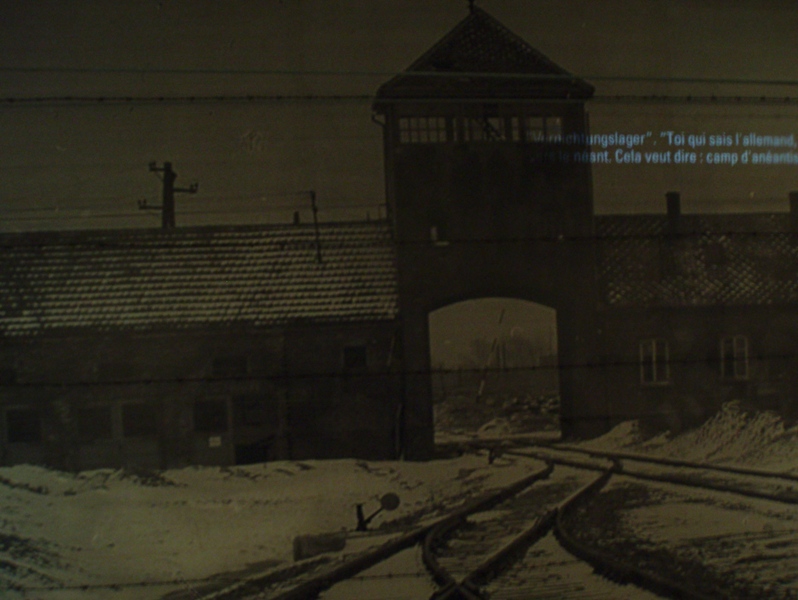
(438,235)
(654,357)
(490,128)
(542,129)
(422,130)
(734,357)
(484,129)
(553,129)
(535,129)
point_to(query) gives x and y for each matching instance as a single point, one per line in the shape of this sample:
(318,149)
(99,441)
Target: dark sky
(67,164)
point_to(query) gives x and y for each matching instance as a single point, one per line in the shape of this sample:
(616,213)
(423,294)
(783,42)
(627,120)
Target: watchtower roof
(481,58)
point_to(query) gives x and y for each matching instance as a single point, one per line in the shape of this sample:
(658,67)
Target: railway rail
(753,483)
(514,543)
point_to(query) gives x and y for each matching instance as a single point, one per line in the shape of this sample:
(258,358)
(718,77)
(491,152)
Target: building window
(139,421)
(23,426)
(515,129)
(553,129)
(230,367)
(542,129)
(438,235)
(95,424)
(422,130)
(535,129)
(251,410)
(734,357)
(355,358)
(210,416)
(654,367)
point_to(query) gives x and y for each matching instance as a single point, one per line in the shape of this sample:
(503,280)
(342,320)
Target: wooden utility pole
(167,206)
(494,349)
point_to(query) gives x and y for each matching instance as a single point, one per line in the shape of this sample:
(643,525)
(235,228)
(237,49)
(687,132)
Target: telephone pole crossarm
(168,194)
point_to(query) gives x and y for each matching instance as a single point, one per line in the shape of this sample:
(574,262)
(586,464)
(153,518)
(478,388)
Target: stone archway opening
(494,369)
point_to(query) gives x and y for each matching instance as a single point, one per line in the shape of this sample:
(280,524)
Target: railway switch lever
(389,502)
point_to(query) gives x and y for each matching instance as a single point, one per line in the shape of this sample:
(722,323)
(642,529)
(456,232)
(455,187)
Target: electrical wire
(338,375)
(49,101)
(426,74)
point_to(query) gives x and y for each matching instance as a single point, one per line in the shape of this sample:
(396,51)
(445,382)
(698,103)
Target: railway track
(514,543)
(516,552)
(764,485)
(483,551)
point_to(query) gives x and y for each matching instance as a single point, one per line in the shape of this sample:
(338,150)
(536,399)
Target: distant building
(695,310)
(227,345)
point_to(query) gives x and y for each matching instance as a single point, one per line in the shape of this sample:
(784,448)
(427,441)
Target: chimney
(674,211)
(794,212)
(296,217)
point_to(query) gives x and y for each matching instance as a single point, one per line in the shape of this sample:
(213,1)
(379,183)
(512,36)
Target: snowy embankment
(75,535)
(733,437)
(743,547)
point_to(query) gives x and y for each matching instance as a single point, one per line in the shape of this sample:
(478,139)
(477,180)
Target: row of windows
(655,360)
(255,410)
(432,130)
(95,423)
(139,420)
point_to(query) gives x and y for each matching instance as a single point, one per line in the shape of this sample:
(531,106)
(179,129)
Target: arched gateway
(484,201)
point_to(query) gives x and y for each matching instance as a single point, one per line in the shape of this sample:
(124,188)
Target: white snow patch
(732,437)
(621,436)
(112,527)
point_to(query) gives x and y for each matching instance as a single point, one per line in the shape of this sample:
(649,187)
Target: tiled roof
(134,279)
(480,44)
(707,260)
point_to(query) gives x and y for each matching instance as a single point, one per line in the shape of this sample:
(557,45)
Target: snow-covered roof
(705,260)
(188,277)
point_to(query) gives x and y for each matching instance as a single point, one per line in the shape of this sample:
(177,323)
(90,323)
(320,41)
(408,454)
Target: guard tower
(488,197)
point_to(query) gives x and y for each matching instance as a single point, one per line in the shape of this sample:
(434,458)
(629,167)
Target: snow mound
(728,436)
(621,436)
(733,436)
(495,427)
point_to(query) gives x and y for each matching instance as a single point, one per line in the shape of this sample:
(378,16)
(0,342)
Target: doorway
(494,369)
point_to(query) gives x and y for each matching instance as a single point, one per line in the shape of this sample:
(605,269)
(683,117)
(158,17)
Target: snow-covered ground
(74,535)
(744,546)
(122,535)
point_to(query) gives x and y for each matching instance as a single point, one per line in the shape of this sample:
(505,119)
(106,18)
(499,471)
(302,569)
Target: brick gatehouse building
(224,345)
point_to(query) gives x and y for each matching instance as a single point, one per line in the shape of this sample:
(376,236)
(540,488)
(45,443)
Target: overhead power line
(438,74)
(44,101)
